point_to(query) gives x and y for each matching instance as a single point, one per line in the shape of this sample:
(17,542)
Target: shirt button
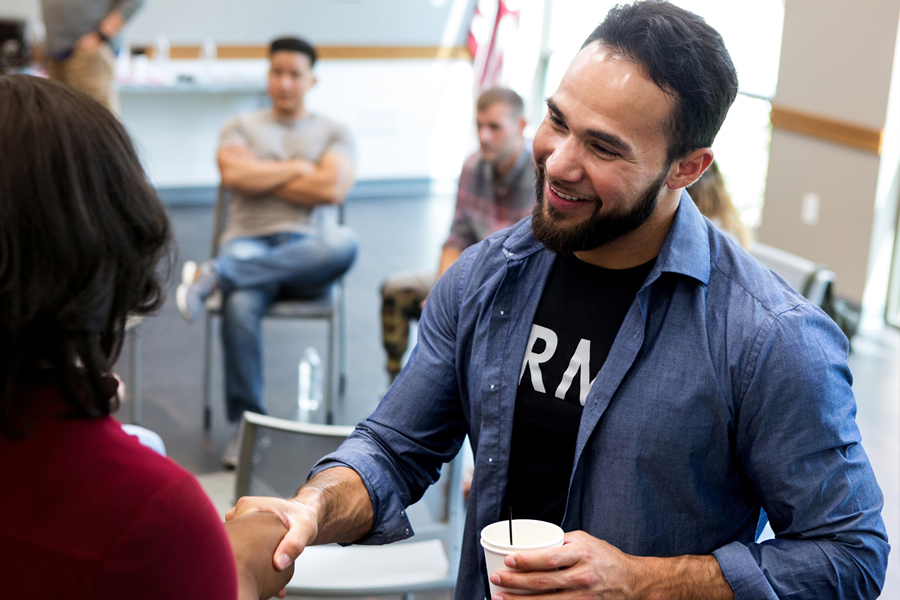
(501,312)
(490,460)
(492,386)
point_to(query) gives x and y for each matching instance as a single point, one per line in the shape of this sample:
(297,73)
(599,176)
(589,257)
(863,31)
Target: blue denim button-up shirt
(725,391)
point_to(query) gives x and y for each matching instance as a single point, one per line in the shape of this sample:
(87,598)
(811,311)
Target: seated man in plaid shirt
(496,190)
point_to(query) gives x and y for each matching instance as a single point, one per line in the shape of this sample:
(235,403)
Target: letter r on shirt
(533,360)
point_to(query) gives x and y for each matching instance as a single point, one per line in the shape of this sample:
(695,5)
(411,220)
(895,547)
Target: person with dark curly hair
(84,243)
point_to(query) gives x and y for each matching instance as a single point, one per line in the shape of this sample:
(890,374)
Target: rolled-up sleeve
(233,132)
(798,444)
(343,143)
(419,425)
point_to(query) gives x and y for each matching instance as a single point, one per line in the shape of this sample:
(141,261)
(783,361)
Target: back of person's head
(714,202)
(82,233)
(685,57)
(292,44)
(501,95)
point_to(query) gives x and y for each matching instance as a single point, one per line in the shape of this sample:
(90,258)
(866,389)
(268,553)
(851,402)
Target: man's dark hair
(82,233)
(501,95)
(685,57)
(292,44)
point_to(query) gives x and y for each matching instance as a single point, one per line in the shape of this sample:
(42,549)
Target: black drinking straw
(509,508)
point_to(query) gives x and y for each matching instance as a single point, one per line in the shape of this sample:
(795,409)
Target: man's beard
(594,231)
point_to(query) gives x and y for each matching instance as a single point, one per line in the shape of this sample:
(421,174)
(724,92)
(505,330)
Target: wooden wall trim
(331,52)
(826,128)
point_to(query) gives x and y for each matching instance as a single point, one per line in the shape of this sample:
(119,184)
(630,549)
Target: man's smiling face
(601,153)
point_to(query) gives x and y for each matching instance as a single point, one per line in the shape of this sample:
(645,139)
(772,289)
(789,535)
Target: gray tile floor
(398,234)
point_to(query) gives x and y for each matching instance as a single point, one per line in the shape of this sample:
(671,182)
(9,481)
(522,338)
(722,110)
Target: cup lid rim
(560,537)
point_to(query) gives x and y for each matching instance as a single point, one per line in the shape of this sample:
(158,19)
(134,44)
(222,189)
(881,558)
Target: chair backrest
(812,280)
(323,215)
(276,455)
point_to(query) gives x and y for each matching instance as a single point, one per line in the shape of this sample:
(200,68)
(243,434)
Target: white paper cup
(527,535)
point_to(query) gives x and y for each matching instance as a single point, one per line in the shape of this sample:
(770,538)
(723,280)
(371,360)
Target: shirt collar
(685,249)
(523,161)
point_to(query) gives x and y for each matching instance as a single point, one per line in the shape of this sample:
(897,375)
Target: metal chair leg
(207,374)
(342,343)
(134,351)
(333,391)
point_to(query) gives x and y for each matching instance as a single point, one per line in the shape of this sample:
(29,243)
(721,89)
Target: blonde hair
(713,200)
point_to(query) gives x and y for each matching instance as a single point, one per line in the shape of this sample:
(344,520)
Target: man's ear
(522,124)
(689,168)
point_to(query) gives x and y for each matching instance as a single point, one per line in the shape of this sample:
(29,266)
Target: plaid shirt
(484,206)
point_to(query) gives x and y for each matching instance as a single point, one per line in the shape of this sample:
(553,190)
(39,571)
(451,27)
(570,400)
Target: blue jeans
(253,272)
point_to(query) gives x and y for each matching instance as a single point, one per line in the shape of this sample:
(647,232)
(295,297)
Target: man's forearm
(448,256)
(682,578)
(327,183)
(341,502)
(112,24)
(593,568)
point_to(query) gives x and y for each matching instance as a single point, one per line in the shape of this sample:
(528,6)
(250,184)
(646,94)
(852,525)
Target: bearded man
(622,369)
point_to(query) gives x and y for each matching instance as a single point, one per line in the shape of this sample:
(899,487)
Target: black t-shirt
(577,320)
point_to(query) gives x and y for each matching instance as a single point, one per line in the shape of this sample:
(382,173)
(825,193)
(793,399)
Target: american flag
(493,26)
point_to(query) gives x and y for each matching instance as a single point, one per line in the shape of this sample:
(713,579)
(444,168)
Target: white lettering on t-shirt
(580,364)
(533,360)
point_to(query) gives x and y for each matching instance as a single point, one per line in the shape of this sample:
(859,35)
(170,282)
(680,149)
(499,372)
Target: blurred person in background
(282,165)
(82,43)
(714,201)
(496,190)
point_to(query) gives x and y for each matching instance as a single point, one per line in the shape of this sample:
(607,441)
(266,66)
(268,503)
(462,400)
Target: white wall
(334,22)
(411,118)
(836,62)
(326,22)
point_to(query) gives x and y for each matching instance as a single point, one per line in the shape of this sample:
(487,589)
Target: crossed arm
(299,180)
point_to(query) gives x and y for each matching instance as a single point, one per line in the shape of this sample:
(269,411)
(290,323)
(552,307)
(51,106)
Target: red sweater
(87,512)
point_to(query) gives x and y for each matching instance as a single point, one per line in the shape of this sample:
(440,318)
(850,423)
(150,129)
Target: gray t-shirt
(68,20)
(270,138)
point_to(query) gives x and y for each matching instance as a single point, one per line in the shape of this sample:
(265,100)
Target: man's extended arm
(334,506)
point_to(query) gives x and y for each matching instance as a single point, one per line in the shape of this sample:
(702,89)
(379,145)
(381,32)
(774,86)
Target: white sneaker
(197,284)
(232,447)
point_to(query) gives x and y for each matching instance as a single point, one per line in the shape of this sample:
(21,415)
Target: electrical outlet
(809,210)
